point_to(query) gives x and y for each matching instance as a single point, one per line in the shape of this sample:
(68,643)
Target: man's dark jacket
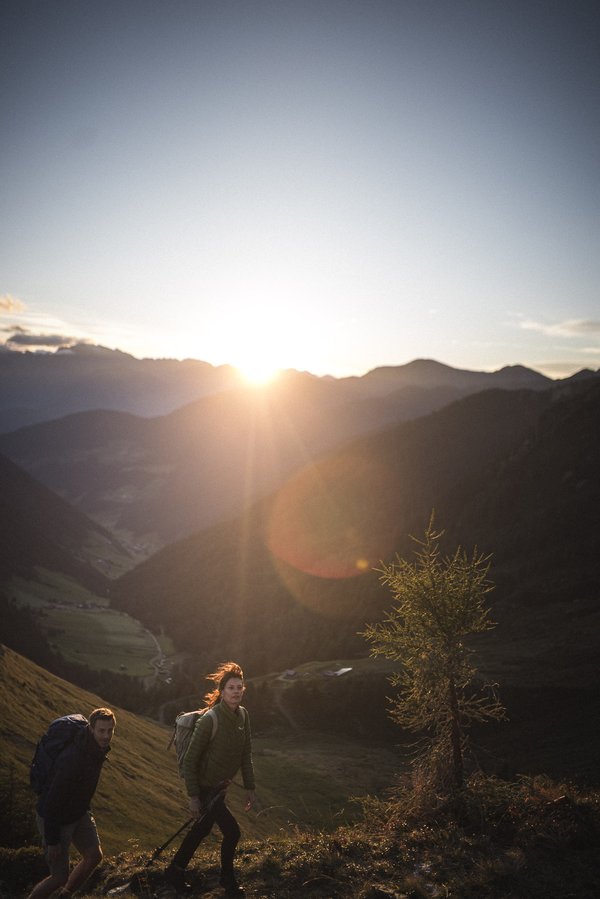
(72,784)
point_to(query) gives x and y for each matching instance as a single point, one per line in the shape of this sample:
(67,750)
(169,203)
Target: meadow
(83,628)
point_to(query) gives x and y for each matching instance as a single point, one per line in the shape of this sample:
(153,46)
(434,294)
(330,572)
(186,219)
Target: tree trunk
(455,740)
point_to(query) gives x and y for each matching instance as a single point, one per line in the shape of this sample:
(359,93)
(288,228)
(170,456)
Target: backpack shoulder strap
(212,714)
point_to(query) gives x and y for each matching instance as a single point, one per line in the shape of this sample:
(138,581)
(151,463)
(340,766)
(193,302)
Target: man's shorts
(81,833)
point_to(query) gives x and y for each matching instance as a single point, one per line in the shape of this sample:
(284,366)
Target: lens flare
(332,519)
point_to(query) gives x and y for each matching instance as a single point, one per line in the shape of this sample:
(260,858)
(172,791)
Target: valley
(83,628)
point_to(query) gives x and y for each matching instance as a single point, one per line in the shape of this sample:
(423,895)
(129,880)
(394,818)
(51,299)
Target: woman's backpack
(184,728)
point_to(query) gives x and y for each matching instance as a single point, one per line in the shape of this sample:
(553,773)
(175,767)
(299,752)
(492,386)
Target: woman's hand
(250,800)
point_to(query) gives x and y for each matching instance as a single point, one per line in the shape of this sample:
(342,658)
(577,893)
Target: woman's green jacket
(208,761)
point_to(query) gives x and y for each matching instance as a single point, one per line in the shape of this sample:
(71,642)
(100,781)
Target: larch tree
(438,602)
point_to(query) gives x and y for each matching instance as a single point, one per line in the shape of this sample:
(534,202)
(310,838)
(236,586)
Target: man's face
(102,731)
(232,692)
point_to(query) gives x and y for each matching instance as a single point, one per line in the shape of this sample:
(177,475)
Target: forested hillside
(298,569)
(40,530)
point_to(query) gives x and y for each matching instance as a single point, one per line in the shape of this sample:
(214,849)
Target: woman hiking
(209,764)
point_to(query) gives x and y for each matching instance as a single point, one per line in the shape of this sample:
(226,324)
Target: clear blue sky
(325,185)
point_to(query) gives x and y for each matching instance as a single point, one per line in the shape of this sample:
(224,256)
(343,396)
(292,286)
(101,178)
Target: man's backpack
(60,734)
(184,728)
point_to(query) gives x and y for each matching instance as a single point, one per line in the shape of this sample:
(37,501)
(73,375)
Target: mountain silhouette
(155,480)
(37,387)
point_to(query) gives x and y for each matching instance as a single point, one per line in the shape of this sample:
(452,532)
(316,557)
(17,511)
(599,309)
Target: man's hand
(195,807)
(250,800)
(53,853)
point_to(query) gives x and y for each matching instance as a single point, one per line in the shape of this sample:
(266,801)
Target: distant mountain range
(155,480)
(36,387)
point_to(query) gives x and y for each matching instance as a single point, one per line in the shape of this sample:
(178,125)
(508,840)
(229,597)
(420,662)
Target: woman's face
(232,692)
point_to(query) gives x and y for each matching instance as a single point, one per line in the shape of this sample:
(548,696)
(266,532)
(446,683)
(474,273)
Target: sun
(264,336)
(257,352)
(258,371)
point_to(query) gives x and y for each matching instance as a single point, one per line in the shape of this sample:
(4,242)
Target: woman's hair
(220,677)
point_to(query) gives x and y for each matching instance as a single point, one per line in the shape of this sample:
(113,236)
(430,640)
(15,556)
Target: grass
(315,781)
(101,638)
(535,841)
(51,587)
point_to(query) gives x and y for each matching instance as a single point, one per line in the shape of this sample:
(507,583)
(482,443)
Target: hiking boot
(230,885)
(175,877)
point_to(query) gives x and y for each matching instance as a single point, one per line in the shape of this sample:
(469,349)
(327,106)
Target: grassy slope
(139,795)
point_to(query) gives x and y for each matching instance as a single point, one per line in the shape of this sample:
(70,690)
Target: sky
(330,186)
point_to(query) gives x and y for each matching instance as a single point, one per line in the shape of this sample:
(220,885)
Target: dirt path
(156,662)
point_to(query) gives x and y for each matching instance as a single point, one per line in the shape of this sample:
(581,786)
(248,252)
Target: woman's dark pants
(220,815)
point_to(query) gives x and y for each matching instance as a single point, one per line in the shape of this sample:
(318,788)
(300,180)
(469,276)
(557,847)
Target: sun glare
(257,371)
(266,336)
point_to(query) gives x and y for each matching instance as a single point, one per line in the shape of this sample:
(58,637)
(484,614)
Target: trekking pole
(220,790)
(158,851)
(139,882)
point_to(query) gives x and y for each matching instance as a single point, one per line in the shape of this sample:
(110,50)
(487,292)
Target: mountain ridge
(204,461)
(37,387)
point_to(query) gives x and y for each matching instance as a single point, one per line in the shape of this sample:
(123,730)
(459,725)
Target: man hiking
(63,810)
(211,761)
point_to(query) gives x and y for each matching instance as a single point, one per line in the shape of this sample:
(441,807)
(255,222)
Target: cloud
(23,338)
(571,328)
(11,304)
(34,331)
